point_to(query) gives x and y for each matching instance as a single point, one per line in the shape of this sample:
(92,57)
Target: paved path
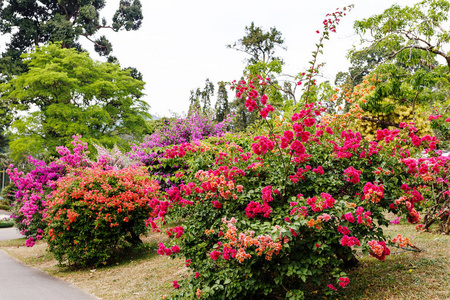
(19,282)
(10,233)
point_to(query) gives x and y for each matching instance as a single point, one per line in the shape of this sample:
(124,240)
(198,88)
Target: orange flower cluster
(314,223)
(213,184)
(350,204)
(133,190)
(401,241)
(268,246)
(242,255)
(376,248)
(209,231)
(427,177)
(264,244)
(373,192)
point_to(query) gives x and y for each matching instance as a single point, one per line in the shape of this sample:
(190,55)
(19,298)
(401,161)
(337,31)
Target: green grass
(6,224)
(13,243)
(404,274)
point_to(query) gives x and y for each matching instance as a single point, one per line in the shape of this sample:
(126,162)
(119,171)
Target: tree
(413,35)
(362,63)
(222,106)
(407,43)
(201,99)
(260,45)
(33,23)
(64,93)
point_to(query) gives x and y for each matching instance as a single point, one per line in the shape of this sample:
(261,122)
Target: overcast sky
(181,43)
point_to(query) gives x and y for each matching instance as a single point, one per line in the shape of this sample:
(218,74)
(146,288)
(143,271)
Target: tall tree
(194,99)
(32,23)
(201,99)
(412,35)
(261,46)
(72,94)
(362,63)
(222,107)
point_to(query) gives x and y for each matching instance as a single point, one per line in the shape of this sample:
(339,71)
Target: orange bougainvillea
(93,211)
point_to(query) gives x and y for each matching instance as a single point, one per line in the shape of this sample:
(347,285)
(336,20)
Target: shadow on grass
(121,257)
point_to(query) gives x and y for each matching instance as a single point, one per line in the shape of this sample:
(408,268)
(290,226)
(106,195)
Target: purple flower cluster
(196,126)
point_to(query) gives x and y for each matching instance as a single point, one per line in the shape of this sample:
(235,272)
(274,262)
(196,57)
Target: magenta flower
(215,255)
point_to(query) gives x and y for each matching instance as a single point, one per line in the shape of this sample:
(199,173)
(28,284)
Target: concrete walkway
(19,282)
(10,233)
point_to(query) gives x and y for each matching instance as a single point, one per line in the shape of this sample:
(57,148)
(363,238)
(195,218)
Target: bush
(8,194)
(289,213)
(32,189)
(177,130)
(6,223)
(94,212)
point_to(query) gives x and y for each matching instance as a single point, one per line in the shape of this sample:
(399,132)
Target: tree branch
(99,26)
(65,10)
(86,36)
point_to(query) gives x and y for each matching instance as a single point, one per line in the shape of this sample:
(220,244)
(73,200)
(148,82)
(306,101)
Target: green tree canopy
(401,48)
(222,107)
(259,44)
(64,92)
(413,35)
(33,23)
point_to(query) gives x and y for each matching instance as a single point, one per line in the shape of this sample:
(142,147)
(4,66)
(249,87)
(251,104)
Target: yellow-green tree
(63,93)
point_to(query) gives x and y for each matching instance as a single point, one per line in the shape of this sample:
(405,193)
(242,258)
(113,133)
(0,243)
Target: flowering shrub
(290,208)
(34,188)
(194,127)
(93,212)
(268,215)
(427,188)
(263,216)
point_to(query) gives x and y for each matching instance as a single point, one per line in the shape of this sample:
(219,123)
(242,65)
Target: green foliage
(259,44)
(222,106)
(33,23)
(74,95)
(413,35)
(401,45)
(362,63)
(8,193)
(6,223)
(201,99)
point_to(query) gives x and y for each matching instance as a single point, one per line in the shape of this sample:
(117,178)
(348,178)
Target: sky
(181,43)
